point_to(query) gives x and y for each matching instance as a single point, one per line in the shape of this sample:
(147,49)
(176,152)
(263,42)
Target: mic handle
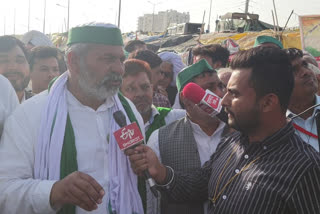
(120,119)
(149,179)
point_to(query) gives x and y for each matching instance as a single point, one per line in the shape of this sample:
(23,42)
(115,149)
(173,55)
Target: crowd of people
(58,153)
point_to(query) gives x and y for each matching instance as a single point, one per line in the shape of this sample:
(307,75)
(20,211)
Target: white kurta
(8,100)
(173,115)
(20,193)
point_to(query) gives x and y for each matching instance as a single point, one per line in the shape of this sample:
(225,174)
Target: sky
(14,13)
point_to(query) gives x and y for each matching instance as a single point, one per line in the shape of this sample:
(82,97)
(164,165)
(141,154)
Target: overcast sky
(83,11)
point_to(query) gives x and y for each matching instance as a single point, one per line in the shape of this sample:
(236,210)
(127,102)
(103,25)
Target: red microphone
(206,100)
(130,136)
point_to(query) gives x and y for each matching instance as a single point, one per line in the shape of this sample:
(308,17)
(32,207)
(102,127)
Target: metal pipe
(209,16)
(44,17)
(29,16)
(275,13)
(68,20)
(119,14)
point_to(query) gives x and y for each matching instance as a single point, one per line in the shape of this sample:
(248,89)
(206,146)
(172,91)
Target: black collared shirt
(284,179)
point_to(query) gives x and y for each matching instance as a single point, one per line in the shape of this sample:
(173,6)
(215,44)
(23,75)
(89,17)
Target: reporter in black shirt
(264,167)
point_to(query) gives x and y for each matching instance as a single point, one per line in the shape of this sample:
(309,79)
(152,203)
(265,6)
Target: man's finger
(136,157)
(139,149)
(82,199)
(129,152)
(139,163)
(98,188)
(141,168)
(89,190)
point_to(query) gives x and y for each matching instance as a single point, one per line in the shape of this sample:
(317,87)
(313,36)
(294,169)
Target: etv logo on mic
(210,103)
(128,136)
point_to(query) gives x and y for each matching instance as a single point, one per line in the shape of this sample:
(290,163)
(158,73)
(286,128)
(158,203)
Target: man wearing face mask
(186,144)
(65,157)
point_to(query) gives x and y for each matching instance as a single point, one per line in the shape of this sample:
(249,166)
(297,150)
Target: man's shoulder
(175,114)
(307,154)
(32,107)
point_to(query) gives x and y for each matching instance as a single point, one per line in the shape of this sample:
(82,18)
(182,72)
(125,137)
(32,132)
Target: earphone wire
(308,109)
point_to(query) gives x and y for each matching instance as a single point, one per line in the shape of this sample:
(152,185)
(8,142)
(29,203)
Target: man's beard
(101,90)
(142,100)
(246,122)
(20,84)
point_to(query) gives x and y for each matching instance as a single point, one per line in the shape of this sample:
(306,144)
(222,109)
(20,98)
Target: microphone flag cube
(128,136)
(210,103)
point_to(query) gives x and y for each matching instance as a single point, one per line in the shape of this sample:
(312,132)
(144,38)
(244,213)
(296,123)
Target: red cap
(193,92)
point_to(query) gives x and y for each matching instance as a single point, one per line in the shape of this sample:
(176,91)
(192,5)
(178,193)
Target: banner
(310,34)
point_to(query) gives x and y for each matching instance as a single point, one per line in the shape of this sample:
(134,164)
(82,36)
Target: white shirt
(206,145)
(309,125)
(8,100)
(176,104)
(17,153)
(173,115)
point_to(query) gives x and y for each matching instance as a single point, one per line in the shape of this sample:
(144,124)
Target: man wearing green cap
(65,158)
(267,41)
(189,142)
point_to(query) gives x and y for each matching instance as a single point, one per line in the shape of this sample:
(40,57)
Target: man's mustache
(111,77)
(7,74)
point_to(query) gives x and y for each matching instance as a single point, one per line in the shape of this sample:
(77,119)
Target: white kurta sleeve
(153,143)
(138,117)
(20,193)
(8,100)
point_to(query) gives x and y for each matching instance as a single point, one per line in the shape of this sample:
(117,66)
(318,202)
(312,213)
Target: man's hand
(143,158)
(78,189)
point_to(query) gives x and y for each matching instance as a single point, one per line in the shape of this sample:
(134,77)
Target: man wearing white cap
(65,158)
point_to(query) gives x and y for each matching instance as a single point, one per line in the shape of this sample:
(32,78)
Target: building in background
(161,21)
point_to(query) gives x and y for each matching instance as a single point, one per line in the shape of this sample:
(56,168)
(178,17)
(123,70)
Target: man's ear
(269,102)
(217,65)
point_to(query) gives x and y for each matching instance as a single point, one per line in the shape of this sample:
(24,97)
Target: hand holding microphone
(207,101)
(129,137)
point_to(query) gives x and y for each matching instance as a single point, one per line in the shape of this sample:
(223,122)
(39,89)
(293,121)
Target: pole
(287,23)
(202,27)
(154,5)
(247,7)
(209,16)
(119,14)
(29,16)
(68,21)
(4,25)
(275,13)
(274,22)
(44,17)
(14,22)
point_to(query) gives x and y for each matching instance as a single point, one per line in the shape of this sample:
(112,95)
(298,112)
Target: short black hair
(7,43)
(271,72)
(216,52)
(42,52)
(294,53)
(130,46)
(148,56)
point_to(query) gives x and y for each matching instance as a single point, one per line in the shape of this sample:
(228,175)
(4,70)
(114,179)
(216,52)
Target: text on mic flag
(128,136)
